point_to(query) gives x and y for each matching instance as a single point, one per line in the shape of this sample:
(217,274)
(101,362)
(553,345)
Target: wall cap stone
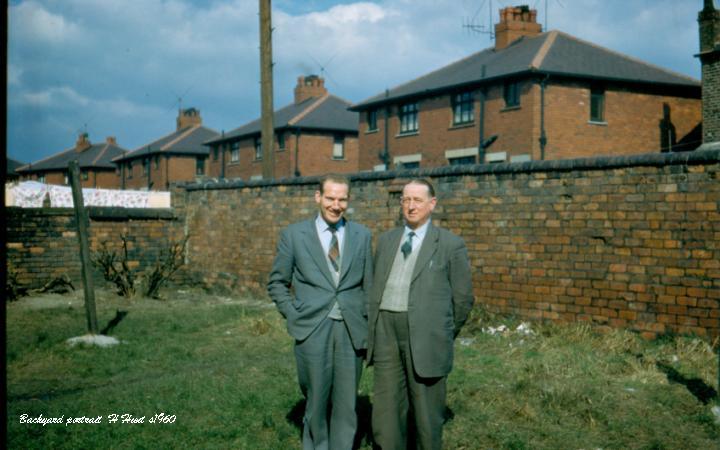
(697,157)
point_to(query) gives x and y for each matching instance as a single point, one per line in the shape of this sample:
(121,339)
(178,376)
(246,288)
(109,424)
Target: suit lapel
(314,248)
(427,250)
(389,254)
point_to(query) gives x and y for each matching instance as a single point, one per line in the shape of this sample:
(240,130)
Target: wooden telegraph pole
(82,226)
(266,90)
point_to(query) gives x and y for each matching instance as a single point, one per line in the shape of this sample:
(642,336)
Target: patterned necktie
(406,248)
(334,251)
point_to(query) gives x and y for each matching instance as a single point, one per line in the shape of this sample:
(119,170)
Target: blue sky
(123,67)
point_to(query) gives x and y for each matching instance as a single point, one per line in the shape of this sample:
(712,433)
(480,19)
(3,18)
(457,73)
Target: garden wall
(621,242)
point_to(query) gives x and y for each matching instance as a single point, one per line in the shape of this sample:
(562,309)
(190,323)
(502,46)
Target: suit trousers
(398,391)
(329,371)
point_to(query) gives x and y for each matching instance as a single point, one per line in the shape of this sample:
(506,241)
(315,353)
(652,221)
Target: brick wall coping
(99,212)
(561,165)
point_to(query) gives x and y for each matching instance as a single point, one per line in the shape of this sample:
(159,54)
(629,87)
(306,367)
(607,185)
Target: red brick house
(179,156)
(95,160)
(316,134)
(709,28)
(532,96)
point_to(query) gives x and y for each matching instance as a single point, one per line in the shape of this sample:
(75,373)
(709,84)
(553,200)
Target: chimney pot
(309,86)
(111,140)
(82,143)
(188,117)
(515,22)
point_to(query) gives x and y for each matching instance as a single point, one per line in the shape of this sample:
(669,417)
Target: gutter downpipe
(543,136)
(481,121)
(222,155)
(297,151)
(386,151)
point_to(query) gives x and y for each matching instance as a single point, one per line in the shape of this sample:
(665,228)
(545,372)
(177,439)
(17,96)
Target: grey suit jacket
(440,298)
(302,286)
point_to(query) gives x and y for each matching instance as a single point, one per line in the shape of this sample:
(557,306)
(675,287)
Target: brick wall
(620,242)
(42,243)
(711,97)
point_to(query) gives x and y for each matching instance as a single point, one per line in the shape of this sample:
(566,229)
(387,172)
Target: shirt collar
(324,226)
(419,232)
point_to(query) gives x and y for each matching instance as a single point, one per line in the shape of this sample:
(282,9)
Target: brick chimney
(515,22)
(111,140)
(82,143)
(188,117)
(709,27)
(309,86)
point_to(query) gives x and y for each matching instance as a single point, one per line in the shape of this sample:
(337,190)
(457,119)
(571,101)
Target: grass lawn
(216,372)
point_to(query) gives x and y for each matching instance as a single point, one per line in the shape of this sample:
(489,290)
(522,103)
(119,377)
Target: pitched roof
(12,166)
(188,140)
(554,53)
(97,156)
(319,113)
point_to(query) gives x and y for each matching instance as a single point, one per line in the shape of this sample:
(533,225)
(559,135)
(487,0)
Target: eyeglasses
(407,200)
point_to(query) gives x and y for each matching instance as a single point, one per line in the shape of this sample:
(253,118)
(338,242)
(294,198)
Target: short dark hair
(334,178)
(425,182)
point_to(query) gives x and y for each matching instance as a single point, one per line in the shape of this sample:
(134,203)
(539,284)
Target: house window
(408,118)
(66,179)
(281,141)
(410,165)
(339,147)
(372,120)
(145,165)
(511,94)
(462,160)
(157,161)
(200,165)
(258,148)
(129,169)
(597,104)
(463,108)
(215,153)
(85,175)
(235,151)
(41,178)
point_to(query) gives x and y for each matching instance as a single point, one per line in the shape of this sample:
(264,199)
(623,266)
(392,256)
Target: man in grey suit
(319,282)
(420,298)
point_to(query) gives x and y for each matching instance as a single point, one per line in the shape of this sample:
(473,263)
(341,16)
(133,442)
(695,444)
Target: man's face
(333,201)
(417,205)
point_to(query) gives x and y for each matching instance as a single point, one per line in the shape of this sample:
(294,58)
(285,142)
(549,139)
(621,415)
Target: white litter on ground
(93,339)
(523,328)
(716,412)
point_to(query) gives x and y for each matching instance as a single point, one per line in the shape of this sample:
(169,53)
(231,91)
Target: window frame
(463,108)
(338,142)
(199,165)
(371,118)
(511,94)
(597,104)
(408,118)
(235,152)
(258,148)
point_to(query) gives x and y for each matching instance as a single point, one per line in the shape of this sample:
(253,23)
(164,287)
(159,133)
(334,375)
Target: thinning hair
(425,182)
(333,178)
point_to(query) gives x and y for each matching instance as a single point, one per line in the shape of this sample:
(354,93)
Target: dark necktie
(334,251)
(406,248)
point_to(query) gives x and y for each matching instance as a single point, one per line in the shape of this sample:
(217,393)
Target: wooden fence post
(82,225)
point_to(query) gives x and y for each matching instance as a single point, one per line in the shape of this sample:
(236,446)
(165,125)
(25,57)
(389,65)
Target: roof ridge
(628,57)
(309,109)
(100,153)
(180,137)
(550,38)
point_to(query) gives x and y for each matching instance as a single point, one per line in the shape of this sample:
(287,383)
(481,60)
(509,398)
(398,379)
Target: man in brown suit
(420,298)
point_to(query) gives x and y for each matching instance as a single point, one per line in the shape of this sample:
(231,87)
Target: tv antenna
(472,23)
(323,67)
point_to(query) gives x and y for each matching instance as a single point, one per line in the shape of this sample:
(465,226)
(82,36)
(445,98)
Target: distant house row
(533,96)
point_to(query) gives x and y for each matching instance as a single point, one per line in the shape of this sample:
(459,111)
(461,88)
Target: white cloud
(32,22)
